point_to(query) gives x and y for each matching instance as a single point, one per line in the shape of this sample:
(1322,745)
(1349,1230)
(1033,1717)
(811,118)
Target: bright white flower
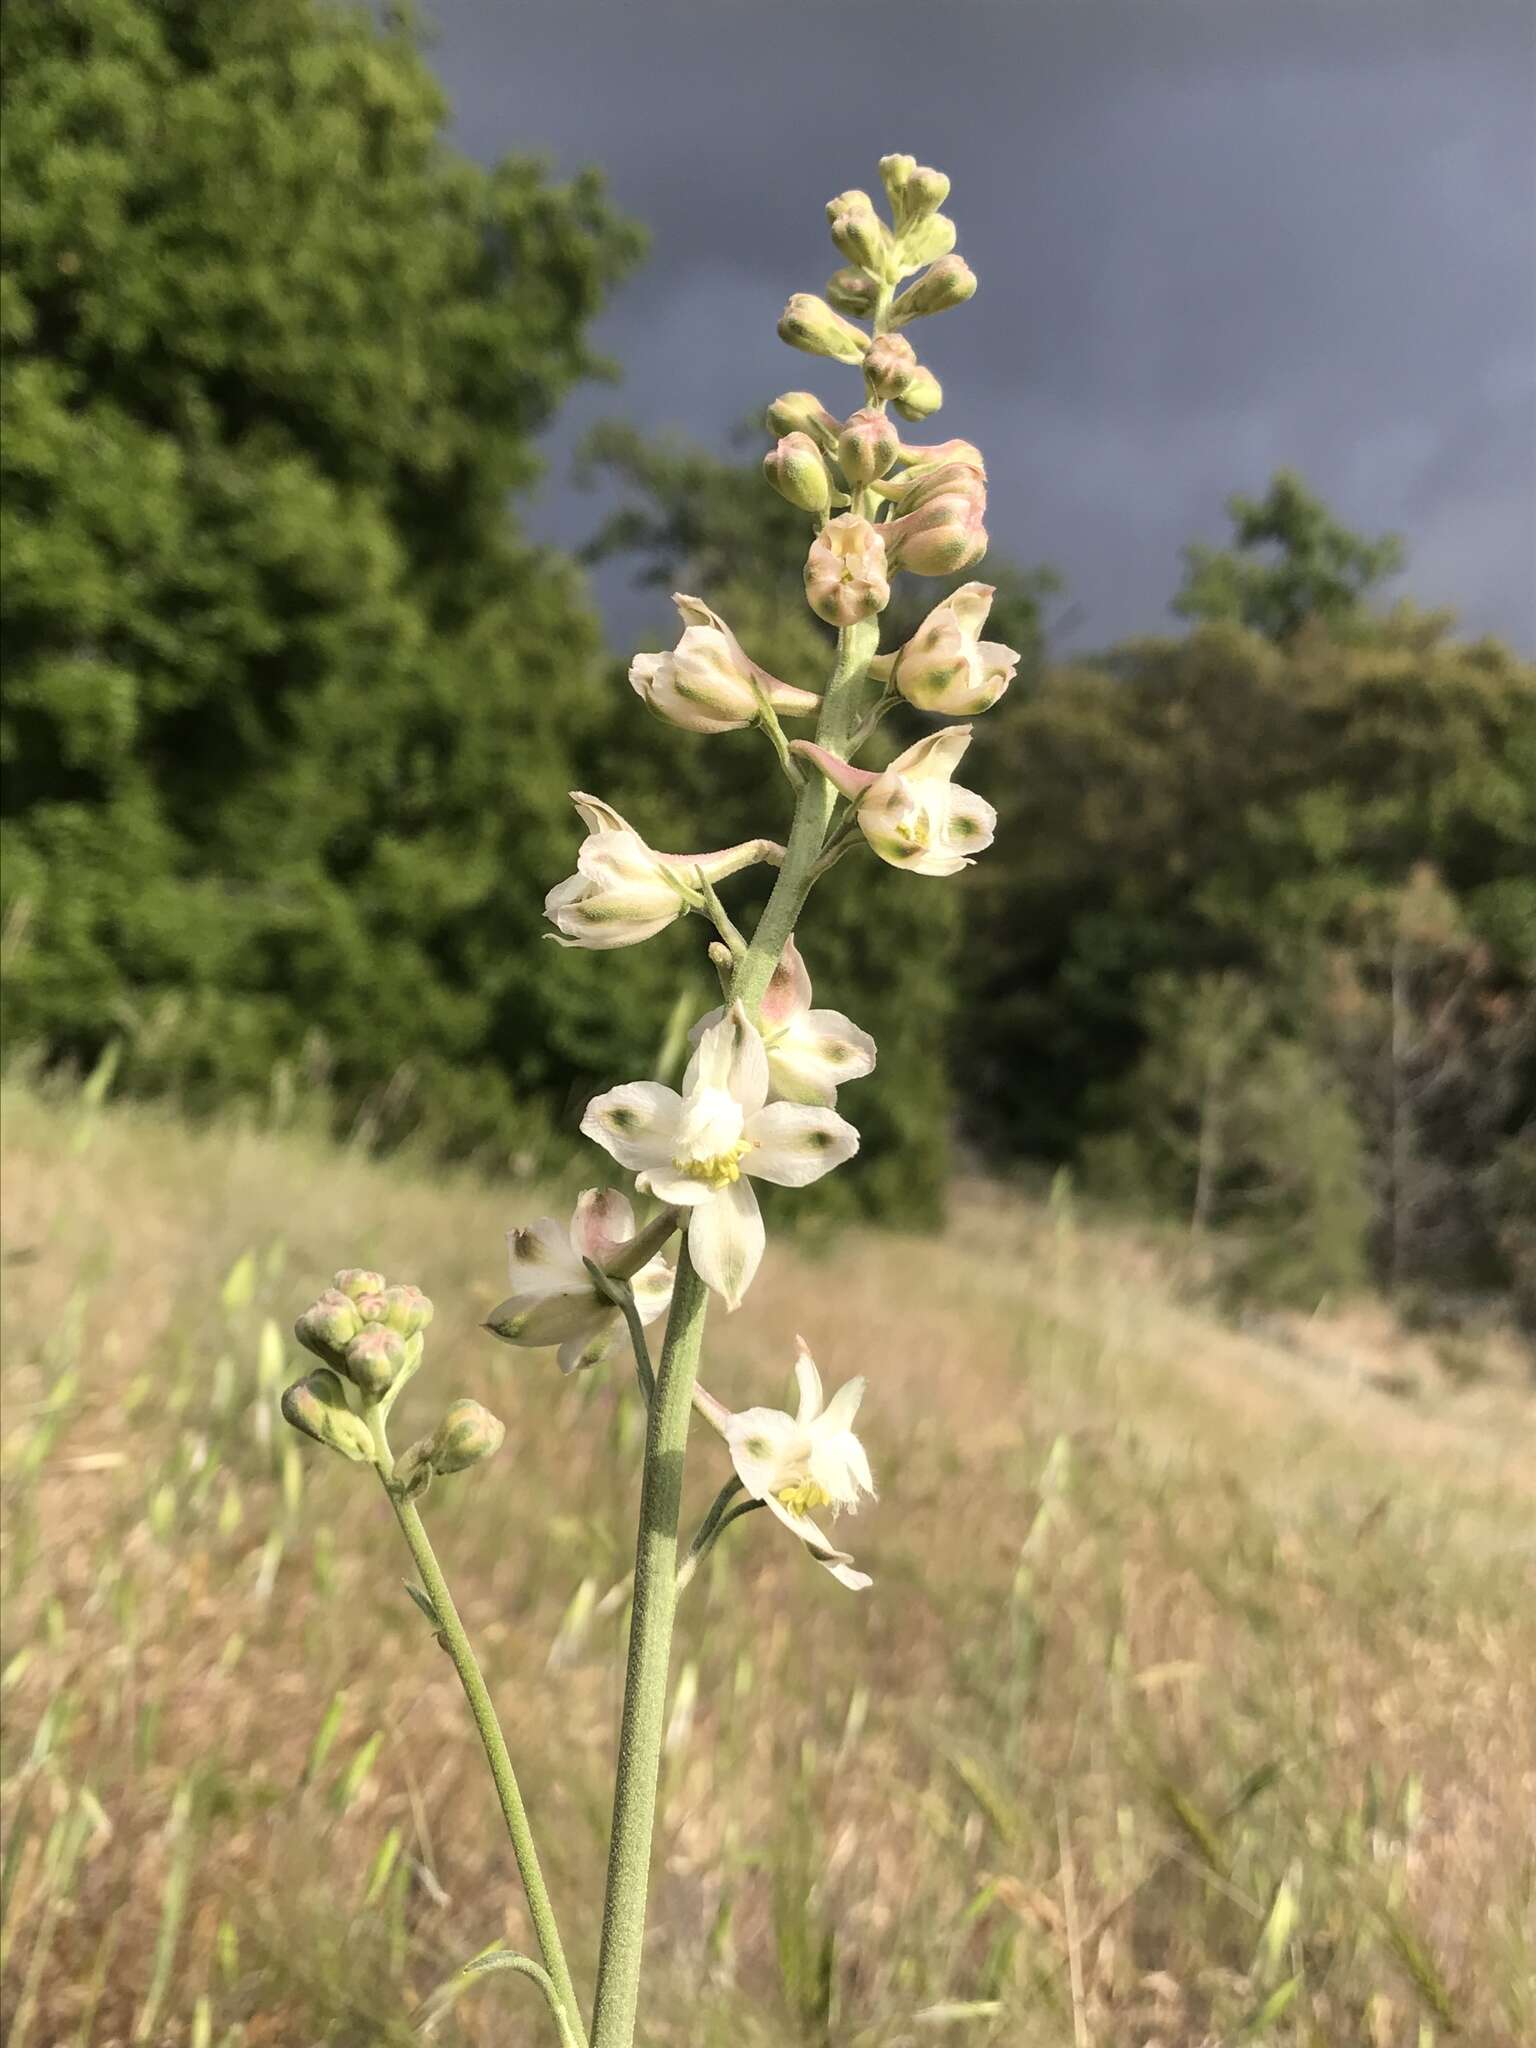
(911,813)
(798,1464)
(553,1298)
(708,683)
(695,1150)
(623,891)
(810,1052)
(946,667)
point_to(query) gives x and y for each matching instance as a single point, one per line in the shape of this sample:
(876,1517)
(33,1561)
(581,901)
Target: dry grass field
(1194,1702)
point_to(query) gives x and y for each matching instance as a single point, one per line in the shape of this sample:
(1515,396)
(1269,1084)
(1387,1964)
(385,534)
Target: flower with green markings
(554,1299)
(708,683)
(798,1465)
(700,1150)
(846,577)
(811,1053)
(623,891)
(946,667)
(912,815)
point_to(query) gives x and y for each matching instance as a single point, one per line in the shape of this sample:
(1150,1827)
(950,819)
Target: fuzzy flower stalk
(761,1101)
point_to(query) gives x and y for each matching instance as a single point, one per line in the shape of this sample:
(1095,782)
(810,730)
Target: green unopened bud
(797,472)
(466,1434)
(895,173)
(861,235)
(316,1406)
(406,1309)
(850,291)
(375,1359)
(925,241)
(328,1326)
(924,192)
(922,395)
(356,1280)
(949,282)
(810,323)
(889,366)
(802,412)
(867,447)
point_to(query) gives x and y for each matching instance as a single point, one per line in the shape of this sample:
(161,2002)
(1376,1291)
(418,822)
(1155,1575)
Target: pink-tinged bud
(850,291)
(845,572)
(950,282)
(317,1407)
(375,1359)
(925,241)
(917,488)
(802,412)
(407,1309)
(922,461)
(328,1326)
(867,447)
(797,472)
(922,395)
(861,235)
(946,536)
(889,366)
(356,1280)
(372,1308)
(466,1434)
(810,323)
(946,667)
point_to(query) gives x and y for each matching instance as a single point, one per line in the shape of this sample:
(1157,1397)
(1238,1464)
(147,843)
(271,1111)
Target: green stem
(650,1649)
(515,1814)
(622,1295)
(484,1966)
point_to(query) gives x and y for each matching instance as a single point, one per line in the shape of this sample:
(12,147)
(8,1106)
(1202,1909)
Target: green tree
(289,702)
(1290,561)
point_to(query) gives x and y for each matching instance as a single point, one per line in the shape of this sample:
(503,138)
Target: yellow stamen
(721,1171)
(804,1497)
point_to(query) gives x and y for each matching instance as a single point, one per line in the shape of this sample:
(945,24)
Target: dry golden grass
(1194,1702)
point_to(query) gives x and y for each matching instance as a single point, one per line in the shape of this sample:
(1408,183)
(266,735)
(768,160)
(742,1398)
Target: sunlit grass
(1193,1702)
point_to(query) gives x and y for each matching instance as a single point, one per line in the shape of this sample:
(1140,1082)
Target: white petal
(668,1185)
(808,1380)
(788,994)
(836,1561)
(652,1288)
(603,1221)
(725,1241)
(843,1406)
(768,1449)
(635,1123)
(967,821)
(578,1352)
(540,1259)
(730,1056)
(794,1145)
(815,1054)
(935,758)
(598,816)
(539,1319)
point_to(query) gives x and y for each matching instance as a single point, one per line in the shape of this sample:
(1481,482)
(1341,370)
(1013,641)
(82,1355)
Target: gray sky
(1213,237)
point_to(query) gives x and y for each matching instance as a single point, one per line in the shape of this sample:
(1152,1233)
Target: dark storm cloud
(1212,239)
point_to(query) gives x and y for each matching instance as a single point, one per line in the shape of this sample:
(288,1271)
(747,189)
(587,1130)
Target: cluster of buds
(368,1336)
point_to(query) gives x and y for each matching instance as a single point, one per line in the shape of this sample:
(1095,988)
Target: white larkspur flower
(554,1299)
(798,1464)
(708,683)
(946,667)
(810,1052)
(911,813)
(623,891)
(699,1150)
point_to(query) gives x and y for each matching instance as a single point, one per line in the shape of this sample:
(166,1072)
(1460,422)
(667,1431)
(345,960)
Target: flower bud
(846,579)
(328,1326)
(466,1434)
(924,192)
(407,1309)
(949,282)
(797,472)
(850,291)
(925,241)
(375,1359)
(317,1407)
(802,412)
(356,1280)
(895,173)
(922,395)
(944,536)
(867,447)
(861,235)
(889,366)
(922,461)
(810,323)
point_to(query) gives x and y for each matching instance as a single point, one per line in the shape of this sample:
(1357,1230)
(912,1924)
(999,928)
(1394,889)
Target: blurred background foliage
(292,706)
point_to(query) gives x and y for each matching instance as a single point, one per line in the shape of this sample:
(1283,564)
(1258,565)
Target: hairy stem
(513,1811)
(650,1650)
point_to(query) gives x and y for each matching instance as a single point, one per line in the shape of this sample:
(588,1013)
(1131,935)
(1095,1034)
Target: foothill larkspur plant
(759,1098)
